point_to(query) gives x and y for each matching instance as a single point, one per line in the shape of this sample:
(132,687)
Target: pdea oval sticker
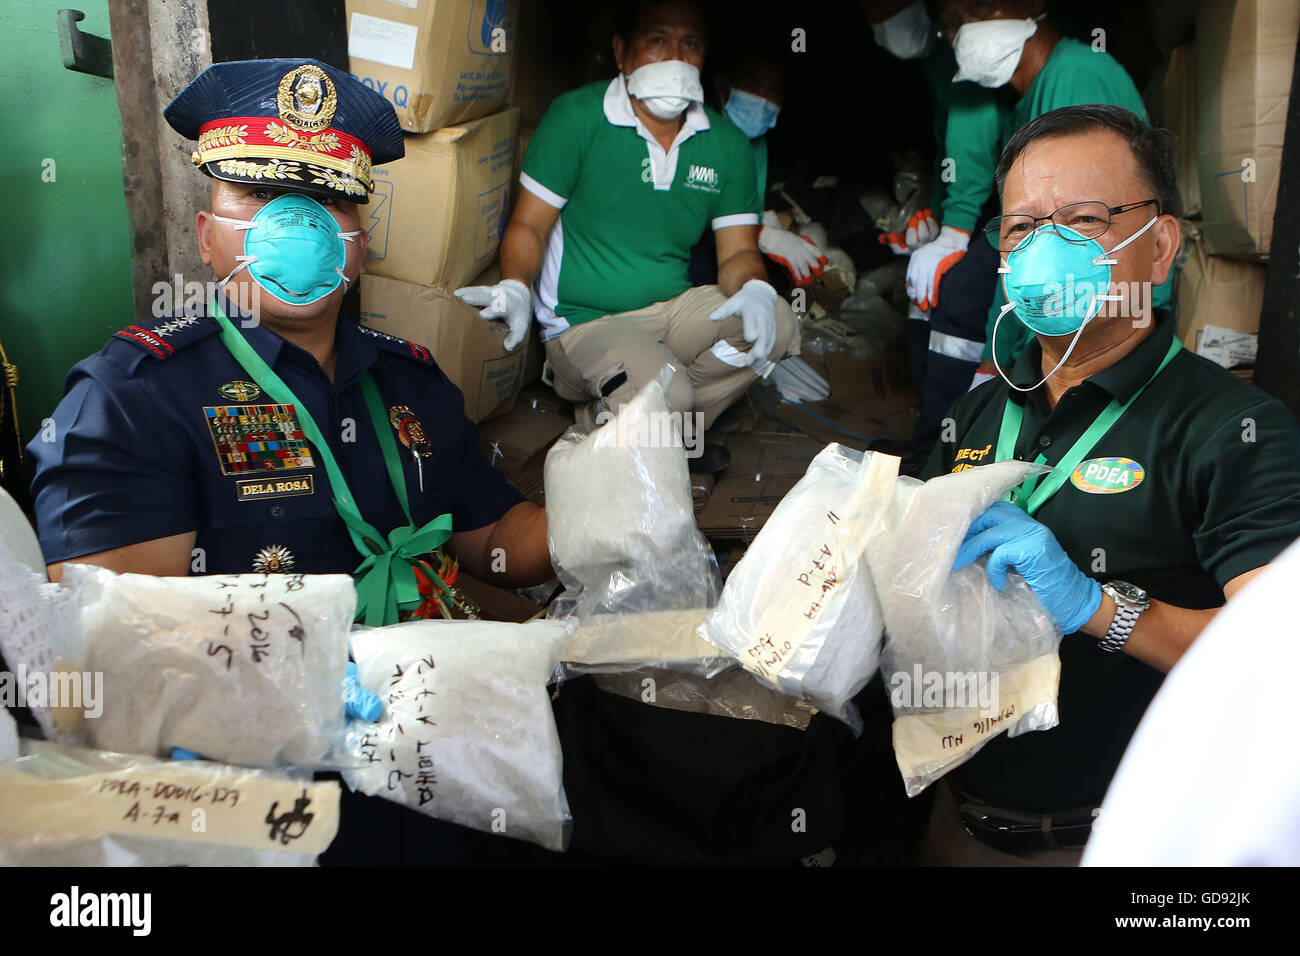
(1107,476)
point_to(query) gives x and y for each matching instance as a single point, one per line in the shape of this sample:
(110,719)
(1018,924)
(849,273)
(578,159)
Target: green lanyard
(1031,495)
(385,580)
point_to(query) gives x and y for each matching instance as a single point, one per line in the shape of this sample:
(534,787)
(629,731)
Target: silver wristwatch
(1130,601)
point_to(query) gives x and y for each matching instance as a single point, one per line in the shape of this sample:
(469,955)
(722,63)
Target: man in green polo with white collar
(1173,482)
(621,178)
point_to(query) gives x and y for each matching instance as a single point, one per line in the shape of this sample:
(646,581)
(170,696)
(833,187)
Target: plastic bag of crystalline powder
(620,519)
(799,611)
(67,806)
(962,662)
(241,669)
(467,733)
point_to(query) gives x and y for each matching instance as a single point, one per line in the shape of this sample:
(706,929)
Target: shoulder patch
(401,346)
(162,337)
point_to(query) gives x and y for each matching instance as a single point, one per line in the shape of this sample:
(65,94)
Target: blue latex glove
(359,703)
(1012,539)
(180,753)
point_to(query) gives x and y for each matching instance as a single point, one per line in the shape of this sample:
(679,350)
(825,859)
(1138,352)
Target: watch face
(1130,592)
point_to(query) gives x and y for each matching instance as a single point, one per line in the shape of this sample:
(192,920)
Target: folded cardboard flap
(739,507)
(468,349)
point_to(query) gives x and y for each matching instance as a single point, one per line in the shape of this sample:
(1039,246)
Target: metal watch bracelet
(1130,602)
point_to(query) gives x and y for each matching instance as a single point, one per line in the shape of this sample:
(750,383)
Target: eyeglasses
(949,25)
(1088,219)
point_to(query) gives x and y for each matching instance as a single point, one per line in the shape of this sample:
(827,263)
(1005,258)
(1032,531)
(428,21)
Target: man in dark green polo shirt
(1173,481)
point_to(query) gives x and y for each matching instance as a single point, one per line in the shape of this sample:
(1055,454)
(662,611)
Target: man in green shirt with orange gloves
(1011,43)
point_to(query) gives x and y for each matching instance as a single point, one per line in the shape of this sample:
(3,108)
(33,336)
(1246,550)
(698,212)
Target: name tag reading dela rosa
(252,489)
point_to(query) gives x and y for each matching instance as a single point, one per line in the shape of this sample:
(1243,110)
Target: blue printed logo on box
(488,16)
(376,216)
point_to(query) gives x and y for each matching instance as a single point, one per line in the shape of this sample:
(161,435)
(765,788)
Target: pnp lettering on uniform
(76,909)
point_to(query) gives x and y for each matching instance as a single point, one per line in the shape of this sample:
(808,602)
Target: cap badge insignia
(306,98)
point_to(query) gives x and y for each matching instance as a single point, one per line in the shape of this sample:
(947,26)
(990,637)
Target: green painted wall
(65,246)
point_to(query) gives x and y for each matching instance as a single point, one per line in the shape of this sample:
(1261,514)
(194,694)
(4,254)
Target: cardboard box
(517,441)
(1171,102)
(469,350)
(1245,52)
(739,507)
(439,62)
(768,455)
(701,487)
(436,217)
(1219,303)
(872,398)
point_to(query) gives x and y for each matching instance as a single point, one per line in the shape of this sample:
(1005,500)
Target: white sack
(64,806)
(955,625)
(799,610)
(467,734)
(242,669)
(622,532)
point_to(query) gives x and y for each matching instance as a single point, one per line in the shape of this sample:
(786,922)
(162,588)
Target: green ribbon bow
(385,578)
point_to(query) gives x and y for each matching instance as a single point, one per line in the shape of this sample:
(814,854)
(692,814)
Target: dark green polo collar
(1120,380)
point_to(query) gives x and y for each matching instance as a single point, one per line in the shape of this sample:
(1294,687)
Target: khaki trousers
(708,356)
(948,844)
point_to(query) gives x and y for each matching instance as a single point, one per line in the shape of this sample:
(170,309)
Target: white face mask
(988,51)
(907,34)
(666,88)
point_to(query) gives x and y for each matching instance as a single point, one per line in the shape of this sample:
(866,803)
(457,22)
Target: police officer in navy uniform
(219,439)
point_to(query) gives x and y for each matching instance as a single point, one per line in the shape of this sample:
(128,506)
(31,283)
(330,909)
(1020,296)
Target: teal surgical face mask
(293,249)
(1057,285)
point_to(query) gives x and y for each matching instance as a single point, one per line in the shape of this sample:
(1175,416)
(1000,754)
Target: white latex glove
(798,254)
(798,382)
(755,303)
(921,228)
(509,299)
(931,261)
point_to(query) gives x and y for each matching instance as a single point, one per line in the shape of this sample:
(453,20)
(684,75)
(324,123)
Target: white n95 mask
(666,88)
(988,51)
